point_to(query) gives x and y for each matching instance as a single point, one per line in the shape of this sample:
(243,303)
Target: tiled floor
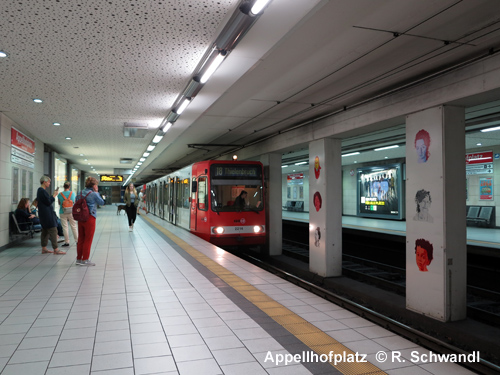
(148,307)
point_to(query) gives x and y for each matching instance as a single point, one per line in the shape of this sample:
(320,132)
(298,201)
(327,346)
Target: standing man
(48,218)
(66,202)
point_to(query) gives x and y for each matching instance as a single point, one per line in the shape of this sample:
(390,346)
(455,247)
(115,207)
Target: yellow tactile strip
(310,335)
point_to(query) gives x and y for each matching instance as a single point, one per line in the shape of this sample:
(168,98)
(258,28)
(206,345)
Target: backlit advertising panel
(379,191)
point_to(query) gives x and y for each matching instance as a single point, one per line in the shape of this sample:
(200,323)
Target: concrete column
(272,168)
(325,207)
(436,244)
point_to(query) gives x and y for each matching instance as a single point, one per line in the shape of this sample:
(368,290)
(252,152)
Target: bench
(15,229)
(481,216)
(297,206)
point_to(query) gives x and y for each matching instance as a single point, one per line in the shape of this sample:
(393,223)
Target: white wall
(6,204)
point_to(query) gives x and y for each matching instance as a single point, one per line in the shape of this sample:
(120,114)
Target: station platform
(476,236)
(162,301)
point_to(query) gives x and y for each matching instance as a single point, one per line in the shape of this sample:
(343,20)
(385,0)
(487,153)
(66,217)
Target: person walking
(66,201)
(86,229)
(132,201)
(47,216)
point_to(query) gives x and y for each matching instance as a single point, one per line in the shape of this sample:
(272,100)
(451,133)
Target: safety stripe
(310,335)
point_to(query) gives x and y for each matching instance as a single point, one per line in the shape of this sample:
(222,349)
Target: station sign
(23,149)
(479,158)
(111,178)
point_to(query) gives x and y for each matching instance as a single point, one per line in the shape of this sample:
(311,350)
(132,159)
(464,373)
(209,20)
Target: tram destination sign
(111,178)
(236,171)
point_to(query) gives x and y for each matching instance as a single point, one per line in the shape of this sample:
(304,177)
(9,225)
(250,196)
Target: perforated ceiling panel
(99,64)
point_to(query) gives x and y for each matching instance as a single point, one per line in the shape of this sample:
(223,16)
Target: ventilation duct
(135,130)
(126,161)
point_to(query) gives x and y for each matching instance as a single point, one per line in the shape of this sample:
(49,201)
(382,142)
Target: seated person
(34,207)
(239,202)
(24,217)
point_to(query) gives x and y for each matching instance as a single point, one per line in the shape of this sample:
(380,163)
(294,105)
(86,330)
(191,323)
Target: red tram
(219,201)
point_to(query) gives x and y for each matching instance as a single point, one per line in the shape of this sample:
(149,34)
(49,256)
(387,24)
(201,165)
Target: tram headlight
(257,229)
(218,230)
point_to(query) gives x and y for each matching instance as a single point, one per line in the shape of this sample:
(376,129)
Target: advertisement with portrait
(379,191)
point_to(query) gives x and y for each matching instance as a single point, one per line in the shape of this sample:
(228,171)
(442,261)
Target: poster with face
(422,144)
(424,253)
(423,202)
(318,201)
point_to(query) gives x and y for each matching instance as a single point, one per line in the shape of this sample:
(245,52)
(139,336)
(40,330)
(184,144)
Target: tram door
(174,182)
(155,200)
(160,200)
(199,206)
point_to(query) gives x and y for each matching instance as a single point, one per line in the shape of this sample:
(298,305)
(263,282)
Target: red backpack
(80,208)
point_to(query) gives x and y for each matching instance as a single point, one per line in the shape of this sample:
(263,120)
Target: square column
(274,219)
(325,207)
(436,243)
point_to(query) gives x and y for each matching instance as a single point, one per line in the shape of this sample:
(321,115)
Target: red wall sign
(479,158)
(295,176)
(22,142)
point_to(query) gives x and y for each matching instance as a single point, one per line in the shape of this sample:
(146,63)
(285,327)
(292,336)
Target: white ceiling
(100,64)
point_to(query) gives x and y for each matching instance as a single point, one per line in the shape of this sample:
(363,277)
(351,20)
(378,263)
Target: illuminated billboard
(379,191)
(111,178)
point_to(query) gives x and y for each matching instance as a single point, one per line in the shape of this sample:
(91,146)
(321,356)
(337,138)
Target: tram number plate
(239,229)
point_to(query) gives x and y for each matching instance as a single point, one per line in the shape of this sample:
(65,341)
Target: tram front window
(224,197)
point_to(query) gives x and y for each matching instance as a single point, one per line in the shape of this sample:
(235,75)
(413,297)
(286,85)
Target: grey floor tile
(33,368)
(79,357)
(69,370)
(31,355)
(253,368)
(151,350)
(118,335)
(191,353)
(209,366)
(112,347)
(176,341)
(77,333)
(121,371)
(232,356)
(149,337)
(75,345)
(111,361)
(154,365)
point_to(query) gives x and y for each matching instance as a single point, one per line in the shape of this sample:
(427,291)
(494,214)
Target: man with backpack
(66,201)
(85,212)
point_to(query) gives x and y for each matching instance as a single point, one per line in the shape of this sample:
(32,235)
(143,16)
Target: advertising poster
(378,191)
(486,188)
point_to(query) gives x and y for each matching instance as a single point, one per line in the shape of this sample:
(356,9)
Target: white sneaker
(130,229)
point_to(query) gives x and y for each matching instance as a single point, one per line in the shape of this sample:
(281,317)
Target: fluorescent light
(139,163)
(157,138)
(300,163)
(38,100)
(68,138)
(490,129)
(211,69)
(284,166)
(56,124)
(151,148)
(183,106)
(165,128)
(386,148)
(351,154)
(142,159)
(258,6)
(3,54)
(479,144)
(146,154)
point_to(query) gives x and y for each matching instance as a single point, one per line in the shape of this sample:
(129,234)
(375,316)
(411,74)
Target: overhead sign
(111,178)
(479,158)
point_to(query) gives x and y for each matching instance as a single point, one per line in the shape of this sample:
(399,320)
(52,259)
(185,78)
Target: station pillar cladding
(325,212)
(436,243)
(274,219)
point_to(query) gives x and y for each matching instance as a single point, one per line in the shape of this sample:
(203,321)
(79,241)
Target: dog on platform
(120,207)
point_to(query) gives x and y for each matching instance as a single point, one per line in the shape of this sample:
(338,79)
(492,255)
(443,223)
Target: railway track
(482,304)
(432,343)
